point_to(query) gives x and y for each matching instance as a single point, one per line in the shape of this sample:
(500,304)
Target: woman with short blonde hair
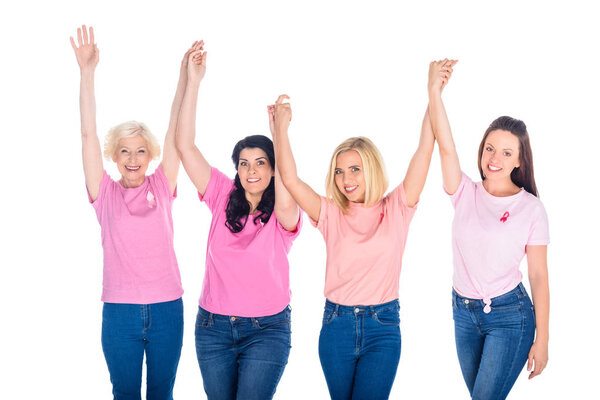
(143,311)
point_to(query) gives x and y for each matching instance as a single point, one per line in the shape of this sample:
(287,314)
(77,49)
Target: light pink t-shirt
(140,266)
(364,249)
(247,273)
(489,235)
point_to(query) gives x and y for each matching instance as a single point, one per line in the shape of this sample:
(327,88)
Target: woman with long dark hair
(141,275)
(243,324)
(497,222)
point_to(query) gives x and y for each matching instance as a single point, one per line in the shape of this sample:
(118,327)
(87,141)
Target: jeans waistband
(213,316)
(359,309)
(517,293)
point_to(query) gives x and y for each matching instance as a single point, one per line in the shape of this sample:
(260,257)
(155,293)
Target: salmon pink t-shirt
(489,239)
(247,273)
(140,266)
(364,249)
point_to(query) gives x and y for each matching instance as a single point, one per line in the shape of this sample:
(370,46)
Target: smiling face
(132,157)
(254,170)
(500,154)
(349,176)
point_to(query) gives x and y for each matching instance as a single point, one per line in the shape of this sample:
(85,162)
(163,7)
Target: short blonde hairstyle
(130,129)
(373,169)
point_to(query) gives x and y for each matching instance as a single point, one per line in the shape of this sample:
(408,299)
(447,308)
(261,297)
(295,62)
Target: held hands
(538,355)
(86,51)
(280,114)
(195,58)
(439,74)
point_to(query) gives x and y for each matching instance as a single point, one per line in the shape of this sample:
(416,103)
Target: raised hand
(196,64)
(86,51)
(439,74)
(282,112)
(271,113)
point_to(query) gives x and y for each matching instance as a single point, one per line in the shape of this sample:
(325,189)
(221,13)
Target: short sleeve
(539,234)
(161,180)
(398,196)
(321,224)
(463,187)
(289,236)
(218,189)
(104,187)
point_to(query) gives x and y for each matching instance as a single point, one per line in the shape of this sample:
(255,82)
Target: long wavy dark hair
(238,207)
(521,176)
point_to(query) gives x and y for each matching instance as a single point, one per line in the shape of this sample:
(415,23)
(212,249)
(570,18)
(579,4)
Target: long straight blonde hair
(373,169)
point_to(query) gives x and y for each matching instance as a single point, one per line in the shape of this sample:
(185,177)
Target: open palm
(86,51)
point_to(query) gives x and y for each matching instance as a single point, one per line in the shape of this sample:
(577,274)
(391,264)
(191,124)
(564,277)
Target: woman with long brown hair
(497,222)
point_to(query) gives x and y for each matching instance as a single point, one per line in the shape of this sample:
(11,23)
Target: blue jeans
(493,348)
(129,330)
(359,349)
(242,358)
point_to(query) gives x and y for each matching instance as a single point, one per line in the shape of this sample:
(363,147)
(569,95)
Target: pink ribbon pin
(151,200)
(504,217)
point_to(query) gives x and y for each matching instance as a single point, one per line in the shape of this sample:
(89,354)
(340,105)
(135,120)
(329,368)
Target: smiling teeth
(253,180)
(132,168)
(494,168)
(351,188)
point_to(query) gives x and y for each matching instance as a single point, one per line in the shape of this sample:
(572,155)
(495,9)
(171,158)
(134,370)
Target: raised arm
(193,161)
(87,55)
(537,266)
(286,209)
(307,198)
(170,160)
(439,72)
(414,181)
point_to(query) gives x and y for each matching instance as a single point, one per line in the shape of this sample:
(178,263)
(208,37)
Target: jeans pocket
(283,317)
(328,316)
(388,317)
(203,320)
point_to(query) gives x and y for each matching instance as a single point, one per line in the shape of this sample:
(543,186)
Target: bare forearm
(87,104)
(186,129)
(541,300)
(284,157)
(440,123)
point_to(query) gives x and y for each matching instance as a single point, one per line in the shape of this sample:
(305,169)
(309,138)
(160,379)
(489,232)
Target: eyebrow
(259,158)
(489,144)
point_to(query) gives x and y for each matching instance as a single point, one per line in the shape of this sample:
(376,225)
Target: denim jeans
(493,348)
(129,330)
(359,349)
(242,358)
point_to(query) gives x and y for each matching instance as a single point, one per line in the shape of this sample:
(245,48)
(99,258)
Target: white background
(350,69)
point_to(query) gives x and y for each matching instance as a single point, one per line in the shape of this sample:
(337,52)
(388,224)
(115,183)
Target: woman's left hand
(538,358)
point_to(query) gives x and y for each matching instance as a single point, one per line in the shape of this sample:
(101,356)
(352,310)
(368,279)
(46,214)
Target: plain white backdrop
(351,68)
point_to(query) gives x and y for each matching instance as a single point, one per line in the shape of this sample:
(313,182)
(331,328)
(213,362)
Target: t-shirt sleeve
(465,185)
(321,224)
(398,197)
(218,189)
(105,183)
(289,236)
(539,234)
(163,183)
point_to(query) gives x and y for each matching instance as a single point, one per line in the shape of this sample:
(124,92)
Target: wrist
(87,71)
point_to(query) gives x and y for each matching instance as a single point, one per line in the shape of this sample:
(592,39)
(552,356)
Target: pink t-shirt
(364,249)
(247,273)
(140,266)
(489,235)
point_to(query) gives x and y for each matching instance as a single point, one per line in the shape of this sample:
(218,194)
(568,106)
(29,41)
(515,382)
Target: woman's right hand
(282,113)
(86,51)
(196,64)
(439,74)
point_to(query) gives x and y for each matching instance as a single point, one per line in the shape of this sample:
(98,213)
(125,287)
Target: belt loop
(522,288)
(335,311)
(372,310)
